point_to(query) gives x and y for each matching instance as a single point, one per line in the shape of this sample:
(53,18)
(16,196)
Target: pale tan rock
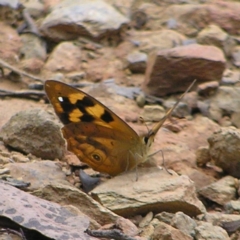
(65,57)
(156,40)
(65,194)
(153,113)
(33,47)
(225,121)
(147,231)
(38,173)
(146,220)
(221,191)
(136,62)
(10,43)
(236,56)
(172,193)
(235,119)
(232,206)
(230,77)
(216,218)
(19,157)
(165,217)
(214,35)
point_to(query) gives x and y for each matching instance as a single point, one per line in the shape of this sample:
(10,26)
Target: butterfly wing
(93,132)
(102,148)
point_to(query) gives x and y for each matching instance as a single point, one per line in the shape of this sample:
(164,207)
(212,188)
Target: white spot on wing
(60,99)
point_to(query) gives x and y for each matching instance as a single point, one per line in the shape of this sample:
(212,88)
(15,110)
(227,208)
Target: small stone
(4,171)
(221,191)
(18,157)
(164,231)
(126,226)
(202,156)
(224,150)
(230,77)
(137,62)
(146,220)
(236,56)
(232,206)
(208,88)
(165,217)
(207,231)
(147,231)
(182,110)
(184,223)
(141,100)
(153,113)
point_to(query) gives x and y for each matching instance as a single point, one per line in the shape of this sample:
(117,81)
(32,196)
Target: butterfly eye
(145,139)
(96,157)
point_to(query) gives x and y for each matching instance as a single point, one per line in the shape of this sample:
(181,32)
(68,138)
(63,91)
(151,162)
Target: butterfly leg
(149,156)
(138,159)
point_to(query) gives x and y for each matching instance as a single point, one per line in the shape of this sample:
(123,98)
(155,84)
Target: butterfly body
(97,135)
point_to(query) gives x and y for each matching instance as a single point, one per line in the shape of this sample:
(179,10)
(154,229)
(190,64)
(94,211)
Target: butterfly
(95,134)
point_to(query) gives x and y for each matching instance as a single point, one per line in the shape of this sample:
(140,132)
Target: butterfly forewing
(73,105)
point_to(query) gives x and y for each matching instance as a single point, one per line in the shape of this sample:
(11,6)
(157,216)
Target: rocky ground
(136,57)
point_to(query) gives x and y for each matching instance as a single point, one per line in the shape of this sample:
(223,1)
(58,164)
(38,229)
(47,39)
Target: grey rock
(94,19)
(184,223)
(207,231)
(221,191)
(224,150)
(33,131)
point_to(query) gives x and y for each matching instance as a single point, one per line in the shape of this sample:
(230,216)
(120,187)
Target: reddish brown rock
(172,70)
(164,231)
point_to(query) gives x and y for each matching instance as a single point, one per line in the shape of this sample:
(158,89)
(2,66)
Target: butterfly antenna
(169,112)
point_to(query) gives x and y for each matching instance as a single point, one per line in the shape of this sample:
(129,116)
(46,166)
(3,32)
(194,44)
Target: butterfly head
(148,139)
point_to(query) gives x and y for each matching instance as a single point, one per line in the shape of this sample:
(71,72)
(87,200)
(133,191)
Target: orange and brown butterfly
(97,135)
